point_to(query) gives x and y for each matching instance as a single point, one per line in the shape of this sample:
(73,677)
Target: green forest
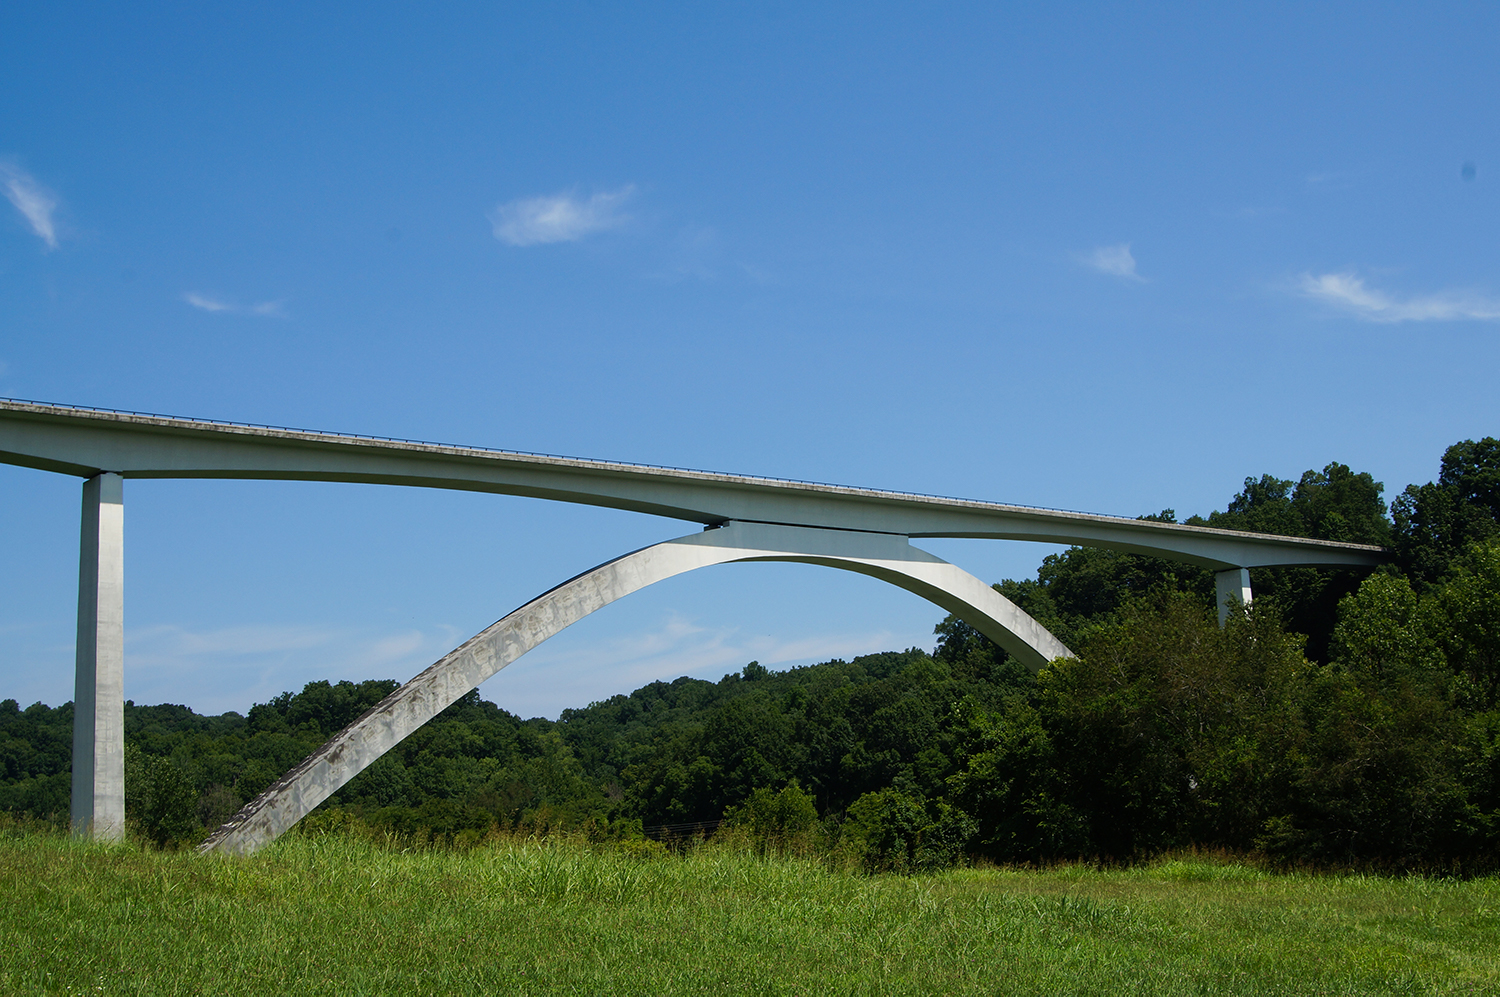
(1344,720)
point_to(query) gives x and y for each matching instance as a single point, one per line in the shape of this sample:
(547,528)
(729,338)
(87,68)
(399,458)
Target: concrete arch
(885,556)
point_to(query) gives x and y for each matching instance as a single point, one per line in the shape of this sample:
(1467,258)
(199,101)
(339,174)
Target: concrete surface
(98,807)
(1231,586)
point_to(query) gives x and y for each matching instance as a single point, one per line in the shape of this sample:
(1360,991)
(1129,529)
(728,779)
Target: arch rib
(885,556)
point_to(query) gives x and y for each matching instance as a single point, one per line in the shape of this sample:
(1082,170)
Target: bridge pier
(1232,585)
(98,808)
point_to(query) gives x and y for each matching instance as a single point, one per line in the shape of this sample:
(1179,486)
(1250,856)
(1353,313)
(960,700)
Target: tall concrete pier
(99,685)
(1231,588)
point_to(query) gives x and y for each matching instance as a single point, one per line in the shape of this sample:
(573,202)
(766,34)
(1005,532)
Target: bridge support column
(99,689)
(1231,586)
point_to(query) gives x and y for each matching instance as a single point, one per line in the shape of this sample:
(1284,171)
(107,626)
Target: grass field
(340,916)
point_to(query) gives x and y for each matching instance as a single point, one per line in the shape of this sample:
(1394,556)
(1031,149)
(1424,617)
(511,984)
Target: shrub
(160,802)
(893,831)
(775,819)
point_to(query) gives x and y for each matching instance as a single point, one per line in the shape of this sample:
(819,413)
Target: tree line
(1345,718)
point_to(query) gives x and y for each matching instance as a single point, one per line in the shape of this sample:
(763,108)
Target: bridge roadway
(86,442)
(746,519)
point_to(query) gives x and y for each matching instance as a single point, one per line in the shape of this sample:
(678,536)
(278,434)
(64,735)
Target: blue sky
(1103,257)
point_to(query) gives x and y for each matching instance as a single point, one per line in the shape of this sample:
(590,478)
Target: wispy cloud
(35,203)
(1326,177)
(230,668)
(695,253)
(1348,292)
(212,303)
(171,644)
(544,682)
(206,303)
(535,221)
(1116,261)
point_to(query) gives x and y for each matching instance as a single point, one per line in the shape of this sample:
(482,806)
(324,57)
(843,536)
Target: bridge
(742,518)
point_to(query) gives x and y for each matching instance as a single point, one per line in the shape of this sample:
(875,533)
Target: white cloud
(206,303)
(31,199)
(1113,260)
(1348,292)
(209,303)
(534,221)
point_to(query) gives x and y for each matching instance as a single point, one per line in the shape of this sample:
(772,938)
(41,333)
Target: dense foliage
(1341,720)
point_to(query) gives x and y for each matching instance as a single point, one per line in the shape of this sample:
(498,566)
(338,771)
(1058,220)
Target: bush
(160,802)
(775,819)
(892,831)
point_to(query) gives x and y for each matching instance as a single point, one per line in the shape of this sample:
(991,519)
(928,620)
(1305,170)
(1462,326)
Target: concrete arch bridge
(741,518)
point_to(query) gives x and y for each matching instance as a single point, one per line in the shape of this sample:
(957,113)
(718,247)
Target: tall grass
(341,915)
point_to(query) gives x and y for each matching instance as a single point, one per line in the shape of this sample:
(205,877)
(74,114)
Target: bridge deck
(84,442)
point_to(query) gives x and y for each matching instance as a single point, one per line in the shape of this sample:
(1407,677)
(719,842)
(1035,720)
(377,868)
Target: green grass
(342,916)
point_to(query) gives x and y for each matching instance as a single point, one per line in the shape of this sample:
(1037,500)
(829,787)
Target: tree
(159,799)
(1437,521)
(775,819)
(892,831)
(1466,621)
(1332,504)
